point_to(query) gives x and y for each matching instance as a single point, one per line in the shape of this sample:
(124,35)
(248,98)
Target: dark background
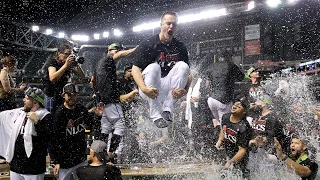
(289,34)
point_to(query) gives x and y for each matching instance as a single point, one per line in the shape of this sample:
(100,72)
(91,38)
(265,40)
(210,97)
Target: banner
(252,47)
(252,32)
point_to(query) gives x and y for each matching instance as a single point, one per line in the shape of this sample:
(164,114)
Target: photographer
(59,73)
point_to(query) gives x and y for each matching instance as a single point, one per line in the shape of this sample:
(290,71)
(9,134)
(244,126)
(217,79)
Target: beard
(70,102)
(27,108)
(297,154)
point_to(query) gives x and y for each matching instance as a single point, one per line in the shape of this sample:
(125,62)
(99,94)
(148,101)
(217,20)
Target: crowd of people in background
(242,130)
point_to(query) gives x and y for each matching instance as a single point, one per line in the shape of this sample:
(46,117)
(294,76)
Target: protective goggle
(32,92)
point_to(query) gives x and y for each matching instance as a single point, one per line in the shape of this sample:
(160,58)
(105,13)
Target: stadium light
(184,19)
(146,26)
(105,34)
(80,37)
(61,35)
(203,15)
(48,31)
(35,28)
(250,5)
(292,1)
(96,36)
(273,3)
(117,32)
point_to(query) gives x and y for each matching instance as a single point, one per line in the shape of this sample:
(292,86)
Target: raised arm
(123,53)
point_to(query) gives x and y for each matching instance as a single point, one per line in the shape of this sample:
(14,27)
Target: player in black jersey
(235,135)
(161,70)
(265,127)
(69,145)
(298,160)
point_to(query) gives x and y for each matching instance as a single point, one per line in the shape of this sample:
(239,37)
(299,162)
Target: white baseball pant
(218,109)
(16,176)
(176,78)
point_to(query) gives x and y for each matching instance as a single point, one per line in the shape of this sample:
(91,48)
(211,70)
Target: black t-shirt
(103,172)
(269,126)
(311,165)
(222,76)
(36,163)
(235,134)
(166,55)
(54,89)
(69,143)
(107,85)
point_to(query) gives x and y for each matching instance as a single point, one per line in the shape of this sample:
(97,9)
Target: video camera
(77,59)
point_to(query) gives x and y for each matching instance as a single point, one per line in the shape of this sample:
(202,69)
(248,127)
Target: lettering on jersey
(168,59)
(74,127)
(255,92)
(259,125)
(229,134)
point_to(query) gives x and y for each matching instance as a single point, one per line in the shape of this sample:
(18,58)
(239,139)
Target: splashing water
(294,105)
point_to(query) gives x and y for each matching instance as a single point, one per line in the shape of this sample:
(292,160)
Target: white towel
(192,92)
(196,91)
(188,115)
(7,122)
(29,130)
(10,125)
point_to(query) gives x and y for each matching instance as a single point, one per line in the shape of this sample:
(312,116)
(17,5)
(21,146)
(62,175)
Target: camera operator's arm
(123,53)
(78,71)
(55,74)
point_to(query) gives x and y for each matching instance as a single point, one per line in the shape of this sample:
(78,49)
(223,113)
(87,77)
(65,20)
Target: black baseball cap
(244,102)
(69,88)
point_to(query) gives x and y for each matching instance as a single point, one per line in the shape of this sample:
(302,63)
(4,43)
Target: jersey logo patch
(259,125)
(168,59)
(229,134)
